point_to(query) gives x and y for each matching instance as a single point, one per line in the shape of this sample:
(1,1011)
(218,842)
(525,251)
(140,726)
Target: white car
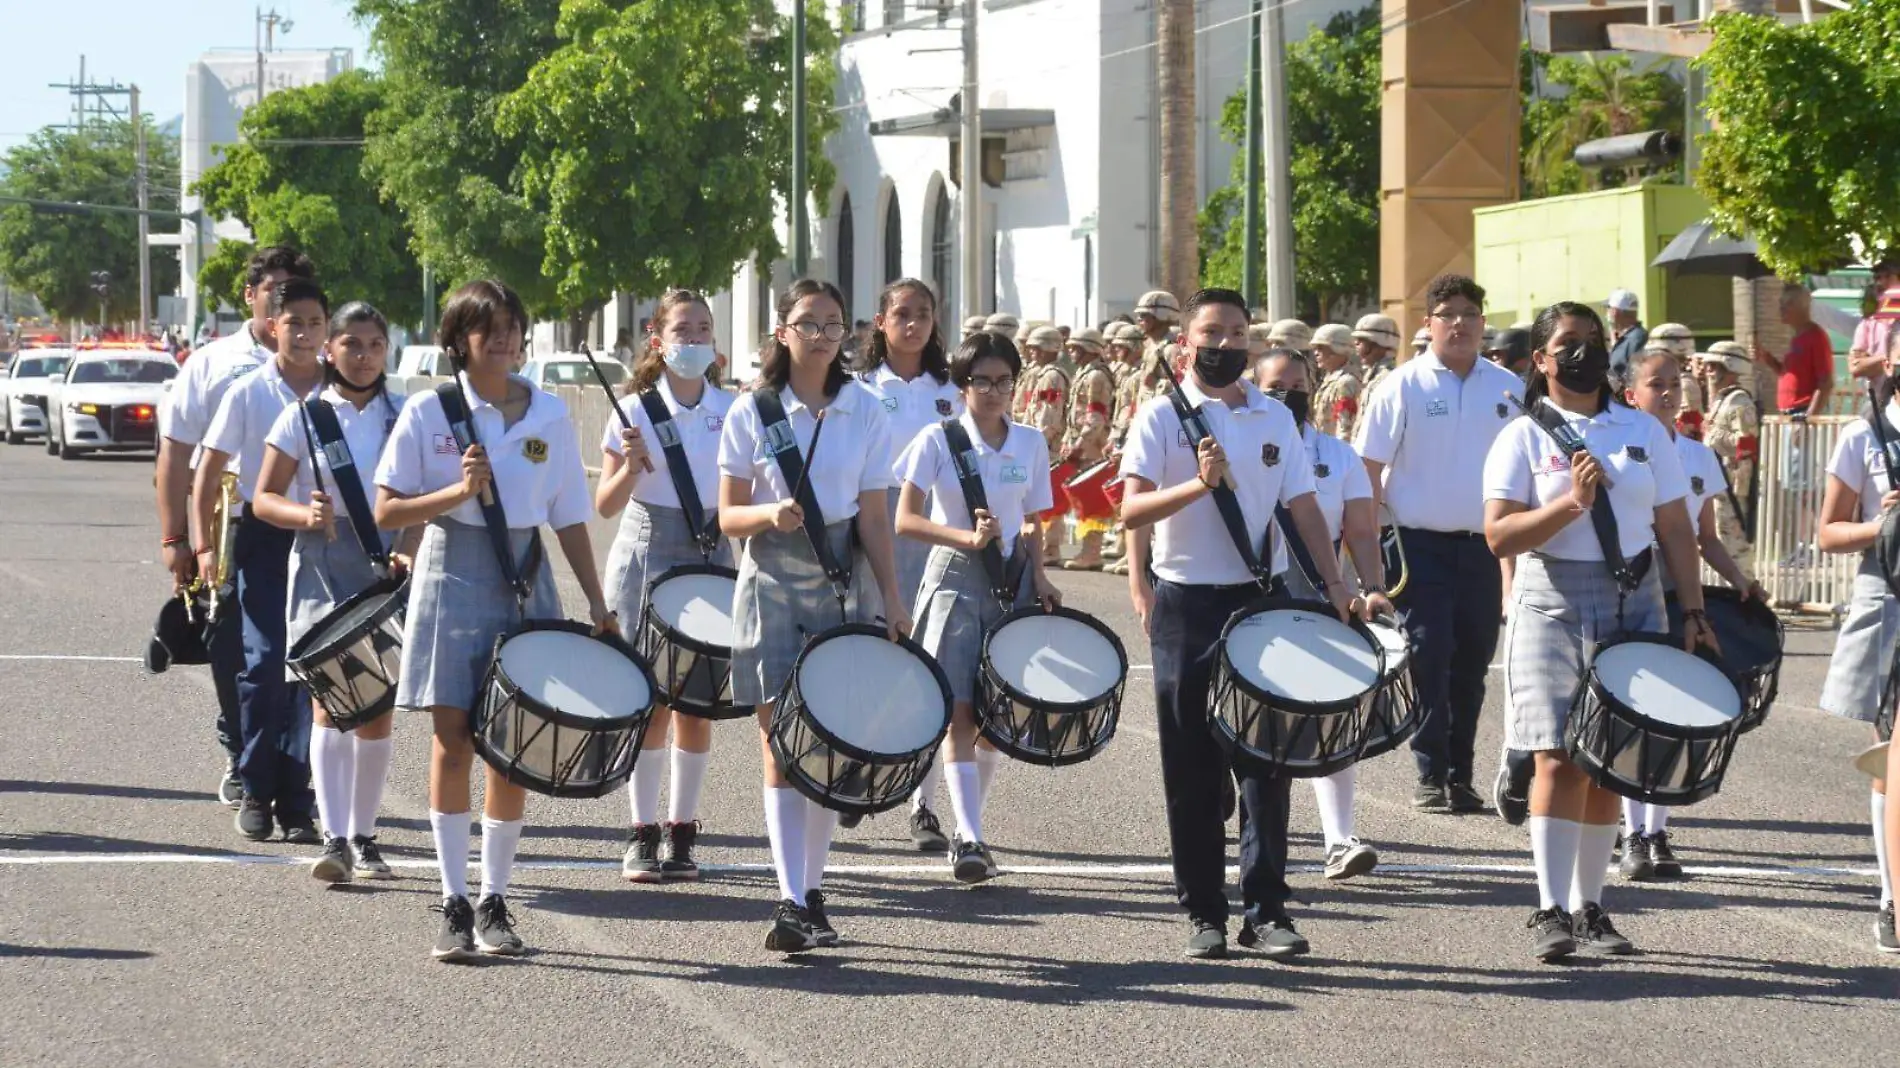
(570,369)
(108,399)
(23,391)
(421,361)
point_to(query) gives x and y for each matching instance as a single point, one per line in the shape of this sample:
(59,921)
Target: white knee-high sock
(966,799)
(332,767)
(820,824)
(451,850)
(643,793)
(1877,807)
(689,778)
(1634,814)
(1655,819)
(372,775)
(1554,853)
(987,761)
(1334,795)
(1595,843)
(926,795)
(500,838)
(785,829)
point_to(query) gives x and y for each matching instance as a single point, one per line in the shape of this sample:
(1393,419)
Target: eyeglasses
(993,385)
(811,331)
(1454,318)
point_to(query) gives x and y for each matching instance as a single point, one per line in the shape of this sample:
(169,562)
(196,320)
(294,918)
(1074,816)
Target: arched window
(940,239)
(893,240)
(847,251)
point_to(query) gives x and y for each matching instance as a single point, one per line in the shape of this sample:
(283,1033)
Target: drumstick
(625,423)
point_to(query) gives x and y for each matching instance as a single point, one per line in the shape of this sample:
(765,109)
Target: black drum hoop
(1008,743)
(302,653)
(817,728)
(589,724)
(1686,733)
(1056,707)
(1760,683)
(1314,708)
(684,641)
(633,728)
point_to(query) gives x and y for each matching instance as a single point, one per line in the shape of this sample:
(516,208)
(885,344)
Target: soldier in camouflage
(1732,429)
(1377,339)
(1091,404)
(1336,402)
(1044,390)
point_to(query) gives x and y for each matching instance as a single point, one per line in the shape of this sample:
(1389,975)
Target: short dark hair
(277,258)
(294,290)
(979,346)
(1888,264)
(1203,298)
(473,309)
(1447,286)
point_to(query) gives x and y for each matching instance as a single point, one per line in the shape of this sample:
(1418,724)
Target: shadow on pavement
(102,789)
(71,952)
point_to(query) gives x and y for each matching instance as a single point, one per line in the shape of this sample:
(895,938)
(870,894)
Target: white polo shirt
(910,407)
(1015,478)
(536,462)
(1704,473)
(245,415)
(209,371)
(364,432)
(1857,461)
(1338,477)
(699,428)
(853,455)
(1526,466)
(1432,431)
(1265,456)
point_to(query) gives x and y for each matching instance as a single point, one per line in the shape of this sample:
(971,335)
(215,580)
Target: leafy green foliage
(1598,95)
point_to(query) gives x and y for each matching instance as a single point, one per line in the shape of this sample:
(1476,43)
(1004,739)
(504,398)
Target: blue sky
(148,42)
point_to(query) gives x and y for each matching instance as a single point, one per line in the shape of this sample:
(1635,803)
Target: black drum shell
(1709,748)
(1348,717)
(999,705)
(1745,629)
(708,667)
(1385,732)
(318,647)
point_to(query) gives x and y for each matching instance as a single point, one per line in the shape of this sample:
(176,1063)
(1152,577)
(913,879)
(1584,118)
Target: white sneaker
(1350,858)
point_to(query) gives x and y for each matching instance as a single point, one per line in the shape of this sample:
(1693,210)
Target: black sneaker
(1553,940)
(368,862)
(643,854)
(970,863)
(791,929)
(457,940)
(1208,941)
(1667,866)
(1276,940)
(1431,797)
(926,832)
(1637,865)
(1884,938)
(1511,794)
(495,929)
(1464,800)
(676,856)
(230,787)
(1591,928)
(850,820)
(823,934)
(334,866)
(299,830)
(253,819)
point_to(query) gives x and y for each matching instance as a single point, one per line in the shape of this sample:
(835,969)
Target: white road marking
(61,656)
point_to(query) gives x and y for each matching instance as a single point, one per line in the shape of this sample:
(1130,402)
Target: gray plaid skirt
(651,541)
(955,609)
(783,598)
(323,574)
(459,603)
(1861,651)
(1561,610)
(911,558)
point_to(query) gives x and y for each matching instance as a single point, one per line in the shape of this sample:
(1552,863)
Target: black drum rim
(301,654)
(1697,734)
(591,724)
(691,644)
(824,734)
(1009,744)
(1318,708)
(1054,707)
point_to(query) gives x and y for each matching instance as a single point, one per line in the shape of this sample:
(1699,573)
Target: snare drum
(352,657)
(1395,709)
(686,635)
(1096,493)
(1653,723)
(1049,688)
(859,719)
(1751,638)
(1292,688)
(561,712)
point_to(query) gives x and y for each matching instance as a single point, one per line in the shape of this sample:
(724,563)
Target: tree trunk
(1179,192)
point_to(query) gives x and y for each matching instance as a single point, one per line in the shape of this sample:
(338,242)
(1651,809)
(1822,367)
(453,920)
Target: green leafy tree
(53,255)
(658,135)
(294,178)
(1597,95)
(1333,123)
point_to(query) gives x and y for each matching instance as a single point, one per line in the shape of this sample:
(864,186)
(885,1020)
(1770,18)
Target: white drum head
(1398,648)
(1668,685)
(696,605)
(1304,656)
(872,693)
(575,674)
(1055,659)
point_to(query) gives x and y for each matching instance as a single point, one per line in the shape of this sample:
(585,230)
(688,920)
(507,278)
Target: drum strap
(1005,578)
(784,445)
(1883,435)
(455,409)
(1284,519)
(1195,427)
(704,528)
(349,484)
(1627,574)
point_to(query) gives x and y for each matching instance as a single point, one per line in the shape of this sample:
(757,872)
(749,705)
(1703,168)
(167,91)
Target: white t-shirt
(853,454)
(1338,476)
(536,463)
(1015,479)
(209,371)
(1704,473)
(1526,466)
(1265,456)
(245,415)
(1432,431)
(1857,461)
(910,407)
(699,428)
(364,432)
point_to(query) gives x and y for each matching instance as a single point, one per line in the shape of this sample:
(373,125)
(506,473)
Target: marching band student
(1344,495)
(655,534)
(1564,601)
(905,368)
(1860,489)
(955,604)
(328,565)
(783,593)
(1202,579)
(1424,434)
(275,765)
(527,457)
(1653,384)
(209,371)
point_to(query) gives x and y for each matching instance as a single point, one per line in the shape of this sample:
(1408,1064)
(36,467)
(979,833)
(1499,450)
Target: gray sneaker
(495,929)
(334,865)
(971,863)
(368,858)
(230,787)
(1884,938)
(1350,858)
(457,938)
(1208,941)
(1431,797)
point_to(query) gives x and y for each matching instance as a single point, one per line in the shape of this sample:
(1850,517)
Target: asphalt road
(138,928)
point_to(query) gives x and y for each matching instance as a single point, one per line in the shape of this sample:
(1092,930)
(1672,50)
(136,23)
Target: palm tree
(1606,96)
(1179,192)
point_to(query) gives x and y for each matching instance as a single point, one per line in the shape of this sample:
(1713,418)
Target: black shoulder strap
(1602,513)
(1005,578)
(1883,435)
(1291,534)
(1195,427)
(455,409)
(783,444)
(705,534)
(343,471)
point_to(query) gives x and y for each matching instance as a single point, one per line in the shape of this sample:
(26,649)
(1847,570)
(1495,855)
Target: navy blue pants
(1451,606)
(227,663)
(275,764)
(1183,637)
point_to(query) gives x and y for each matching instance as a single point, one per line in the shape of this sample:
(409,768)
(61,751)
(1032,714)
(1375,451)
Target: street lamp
(268,23)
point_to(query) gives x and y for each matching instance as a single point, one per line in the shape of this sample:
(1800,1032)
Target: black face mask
(1298,401)
(1582,367)
(335,377)
(1220,368)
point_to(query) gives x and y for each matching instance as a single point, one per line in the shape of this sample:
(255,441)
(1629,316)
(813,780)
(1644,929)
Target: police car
(23,389)
(108,399)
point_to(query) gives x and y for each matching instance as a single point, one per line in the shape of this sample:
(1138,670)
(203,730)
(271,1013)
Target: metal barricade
(1793,474)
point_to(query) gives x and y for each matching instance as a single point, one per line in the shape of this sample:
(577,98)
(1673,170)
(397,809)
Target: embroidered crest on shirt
(1504,411)
(535,450)
(715,423)
(1637,453)
(1270,454)
(1695,484)
(943,406)
(1321,471)
(1552,464)
(890,404)
(1437,408)
(445,444)
(1015,474)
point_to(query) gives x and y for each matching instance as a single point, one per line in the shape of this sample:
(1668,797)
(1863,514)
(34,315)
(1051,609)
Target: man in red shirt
(1805,376)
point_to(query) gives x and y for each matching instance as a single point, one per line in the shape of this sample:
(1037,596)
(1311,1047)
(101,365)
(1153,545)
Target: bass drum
(1752,640)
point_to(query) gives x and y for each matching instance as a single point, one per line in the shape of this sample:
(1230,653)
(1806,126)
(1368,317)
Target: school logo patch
(890,404)
(1504,410)
(1321,471)
(1695,484)
(715,423)
(1270,455)
(1180,438)
(1015,474)
(1637,453)
(1437,408)
(779,437)
(943,406)
(243,369)
(444,445)
(535,450)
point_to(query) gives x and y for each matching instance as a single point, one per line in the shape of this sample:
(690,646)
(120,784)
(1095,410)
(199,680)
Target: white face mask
(690,360)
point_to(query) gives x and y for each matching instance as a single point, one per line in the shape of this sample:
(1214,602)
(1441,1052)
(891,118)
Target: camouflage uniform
(1374,375)
(1047,408)
(1733,431)
(1336,404)
(1091,402)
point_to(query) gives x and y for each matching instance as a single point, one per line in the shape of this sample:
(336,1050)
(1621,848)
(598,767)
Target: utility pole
(971,195)
(801,239)
(1250,212)
(145,221)
(1279,170)
(268,23)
